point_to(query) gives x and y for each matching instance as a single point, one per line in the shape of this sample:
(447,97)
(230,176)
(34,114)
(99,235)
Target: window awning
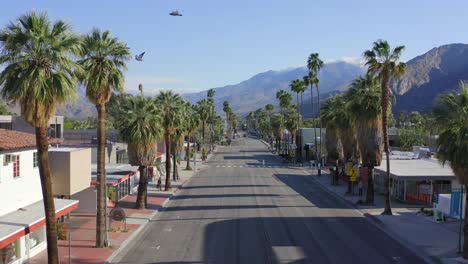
(30,218)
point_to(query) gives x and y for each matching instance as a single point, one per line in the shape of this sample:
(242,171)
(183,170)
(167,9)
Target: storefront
(415,181)
(23,233)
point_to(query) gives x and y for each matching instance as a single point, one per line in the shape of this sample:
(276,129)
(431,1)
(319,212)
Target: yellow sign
(353,179)
(353,172)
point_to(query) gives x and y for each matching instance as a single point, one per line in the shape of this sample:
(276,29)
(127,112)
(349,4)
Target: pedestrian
(158,186)
(360,187)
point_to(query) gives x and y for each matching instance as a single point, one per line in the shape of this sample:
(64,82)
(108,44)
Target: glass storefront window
(37,237)
(10,253)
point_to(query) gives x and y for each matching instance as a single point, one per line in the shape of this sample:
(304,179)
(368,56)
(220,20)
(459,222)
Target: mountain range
(437,71)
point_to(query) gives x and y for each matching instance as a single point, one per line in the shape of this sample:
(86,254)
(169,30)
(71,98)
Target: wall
(86,135)
(87,198)
(23,190)
(18,124)
(71,170)
(80,166)
(111,152)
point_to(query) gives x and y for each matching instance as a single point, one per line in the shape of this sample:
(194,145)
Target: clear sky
(220,42)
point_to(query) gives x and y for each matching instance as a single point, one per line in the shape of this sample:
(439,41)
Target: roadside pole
(461,221)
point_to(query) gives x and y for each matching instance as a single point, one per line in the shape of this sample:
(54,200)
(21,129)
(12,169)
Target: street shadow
(223,186)
(226,207)
(215,196)
(301,240)
(311,191)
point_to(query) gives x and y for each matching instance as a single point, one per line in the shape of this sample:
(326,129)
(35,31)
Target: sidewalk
(83,226)
(421,233)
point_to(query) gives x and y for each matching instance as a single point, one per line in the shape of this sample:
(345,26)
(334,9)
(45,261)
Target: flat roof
(417,169)
(115,173)
(64,149)
(27,219)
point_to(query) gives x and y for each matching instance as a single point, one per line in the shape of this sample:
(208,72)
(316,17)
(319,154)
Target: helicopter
(175,13)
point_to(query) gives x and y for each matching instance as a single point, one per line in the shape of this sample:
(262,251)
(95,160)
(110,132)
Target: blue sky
(220,42)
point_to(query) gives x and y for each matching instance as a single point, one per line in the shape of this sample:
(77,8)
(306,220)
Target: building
(306,142)
(17,123)
(22,220)
(416,180)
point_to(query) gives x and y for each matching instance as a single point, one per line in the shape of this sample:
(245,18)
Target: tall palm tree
(39,74)
(284,98)
(227,110)
(332,140)
(451,113)
(296,86)
(269,108)
(363,104)
(211,94)
(103,60)
(383,62)
(305,86)
(277,125)
(203,107)
(139,124)
(314,64)
(346,133)
(192,123)
(170,106)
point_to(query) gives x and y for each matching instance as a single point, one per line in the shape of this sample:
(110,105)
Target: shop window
(35,164)
(37,237)
(16,167)
(10,253)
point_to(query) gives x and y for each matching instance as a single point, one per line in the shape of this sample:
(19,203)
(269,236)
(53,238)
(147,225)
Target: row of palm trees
(43,63)
(231,118)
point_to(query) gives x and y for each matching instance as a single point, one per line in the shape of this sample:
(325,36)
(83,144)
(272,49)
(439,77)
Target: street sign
(353,179)
(353,172)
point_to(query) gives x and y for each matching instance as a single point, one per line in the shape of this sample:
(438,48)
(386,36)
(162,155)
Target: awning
(30,218)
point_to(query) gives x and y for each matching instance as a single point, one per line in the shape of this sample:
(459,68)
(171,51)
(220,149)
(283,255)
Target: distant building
(17,123)
(22,220)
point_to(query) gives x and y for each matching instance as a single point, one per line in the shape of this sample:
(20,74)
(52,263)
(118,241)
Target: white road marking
(168,229)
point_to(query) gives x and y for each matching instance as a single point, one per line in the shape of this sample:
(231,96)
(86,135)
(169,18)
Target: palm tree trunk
(101,178)
(175,174)
(385,106)
(465,228)
(47,195)
(140,201)
(370,185)
(188,153)
(203,132)
(167,186)
(320,131)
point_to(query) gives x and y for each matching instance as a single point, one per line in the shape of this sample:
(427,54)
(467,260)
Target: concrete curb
(137,232)
(381,226)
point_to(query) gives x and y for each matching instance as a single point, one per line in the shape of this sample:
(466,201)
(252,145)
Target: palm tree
(285,99)
(296,86)
(227,110)
(305,86)
(292,122)
(451,113)
(170,106)
(103,60)
(192,123)
(332,141)
(140,127)
(38,74)
(269,108)
(383,62)
(277,126)
(346,133)
(363,104)
(210,94)
(203,107)
(314,64)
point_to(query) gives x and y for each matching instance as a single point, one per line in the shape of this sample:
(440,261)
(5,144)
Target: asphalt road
(238,211)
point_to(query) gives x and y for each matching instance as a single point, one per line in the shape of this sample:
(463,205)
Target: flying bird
(139,57)
(175,13)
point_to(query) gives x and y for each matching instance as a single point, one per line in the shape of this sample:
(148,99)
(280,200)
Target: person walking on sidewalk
(360,187)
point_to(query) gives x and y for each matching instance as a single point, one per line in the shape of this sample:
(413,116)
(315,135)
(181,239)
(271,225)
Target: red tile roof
(10,140)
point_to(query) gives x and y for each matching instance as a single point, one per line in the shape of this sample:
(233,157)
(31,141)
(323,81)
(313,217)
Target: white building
(22,220)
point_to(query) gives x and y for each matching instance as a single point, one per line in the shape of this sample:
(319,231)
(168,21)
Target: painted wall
(71,170)
(20,191)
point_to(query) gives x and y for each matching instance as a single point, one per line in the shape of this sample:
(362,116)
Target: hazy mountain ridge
(261,89)
(428,75)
